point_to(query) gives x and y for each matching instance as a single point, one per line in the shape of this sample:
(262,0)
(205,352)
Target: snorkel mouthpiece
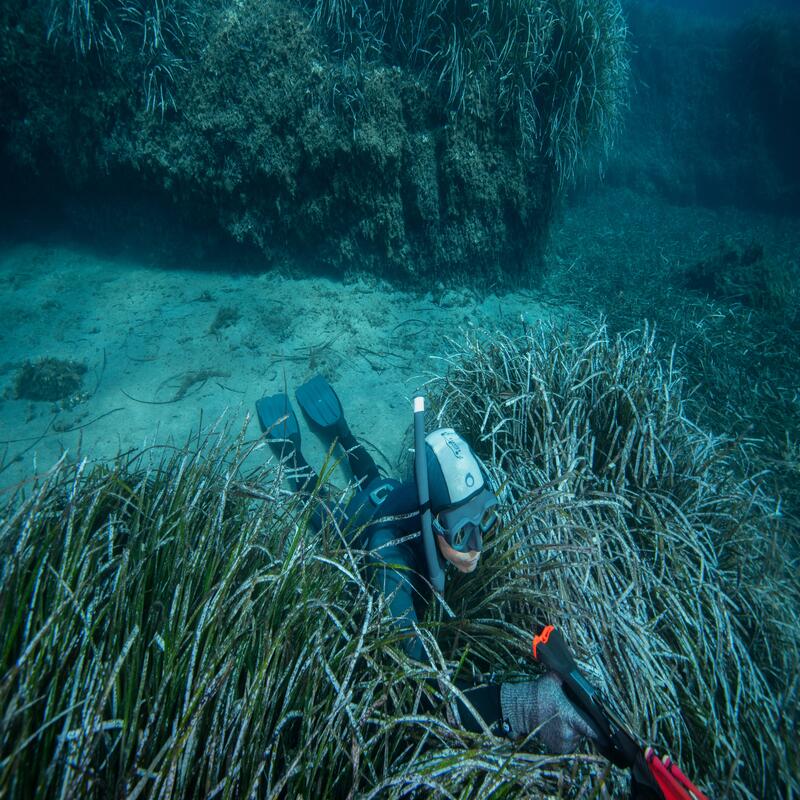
(435,571)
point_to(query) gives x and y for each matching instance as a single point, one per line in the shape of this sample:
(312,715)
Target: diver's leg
(361,463)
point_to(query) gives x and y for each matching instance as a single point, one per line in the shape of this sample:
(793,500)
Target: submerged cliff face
(251,118)
(341,165)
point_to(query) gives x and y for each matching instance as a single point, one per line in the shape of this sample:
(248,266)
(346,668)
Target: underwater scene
(400,399)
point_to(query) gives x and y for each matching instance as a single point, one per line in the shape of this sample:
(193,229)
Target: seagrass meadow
(572,222)
(172,626)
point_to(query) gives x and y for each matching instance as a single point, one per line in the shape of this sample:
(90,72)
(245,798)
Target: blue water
(730,9)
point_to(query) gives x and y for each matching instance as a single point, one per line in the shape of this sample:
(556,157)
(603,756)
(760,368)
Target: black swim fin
(279,424)
(323,409)
(277,419)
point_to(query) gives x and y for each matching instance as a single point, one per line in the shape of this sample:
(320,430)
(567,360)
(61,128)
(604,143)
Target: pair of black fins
(323,410)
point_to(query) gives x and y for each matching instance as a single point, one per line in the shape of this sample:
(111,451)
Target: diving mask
(463,527)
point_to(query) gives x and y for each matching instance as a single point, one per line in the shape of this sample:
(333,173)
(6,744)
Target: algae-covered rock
(743,274)
(328,139)
(49,379)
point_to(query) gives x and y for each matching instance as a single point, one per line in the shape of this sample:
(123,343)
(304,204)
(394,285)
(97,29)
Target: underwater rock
(742,274)
(305,138)
(49,379)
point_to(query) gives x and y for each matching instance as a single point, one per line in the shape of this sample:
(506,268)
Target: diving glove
(542,706)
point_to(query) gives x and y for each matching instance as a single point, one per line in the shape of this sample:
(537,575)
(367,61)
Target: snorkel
(435,571)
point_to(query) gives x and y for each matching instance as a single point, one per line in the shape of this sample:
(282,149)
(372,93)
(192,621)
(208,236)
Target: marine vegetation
(740,355)
(557,70)
(669,564)
(155,26)
(172,626)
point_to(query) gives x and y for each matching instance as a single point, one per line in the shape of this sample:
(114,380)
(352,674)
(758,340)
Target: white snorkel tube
(435,571)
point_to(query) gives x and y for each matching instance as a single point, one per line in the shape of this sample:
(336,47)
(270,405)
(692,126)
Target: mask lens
(467,537)
(488,521)
(459,537)
(463,534)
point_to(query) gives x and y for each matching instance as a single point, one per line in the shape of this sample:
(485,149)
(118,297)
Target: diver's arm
(401,507)
(390,571)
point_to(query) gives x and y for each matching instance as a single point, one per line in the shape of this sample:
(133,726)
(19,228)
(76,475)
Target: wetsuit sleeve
(401,507)
(486,701)
(394,566)
(391,571)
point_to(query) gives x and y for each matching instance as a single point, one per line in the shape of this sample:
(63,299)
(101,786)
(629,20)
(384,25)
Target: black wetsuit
(386,514)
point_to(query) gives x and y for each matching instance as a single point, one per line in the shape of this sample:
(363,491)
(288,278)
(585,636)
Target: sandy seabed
(171,351)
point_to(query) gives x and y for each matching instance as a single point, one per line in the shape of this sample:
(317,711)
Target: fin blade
(276,417)
(320,404)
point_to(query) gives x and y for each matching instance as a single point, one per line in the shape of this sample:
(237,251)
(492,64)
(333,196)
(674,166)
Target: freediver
(408,546)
